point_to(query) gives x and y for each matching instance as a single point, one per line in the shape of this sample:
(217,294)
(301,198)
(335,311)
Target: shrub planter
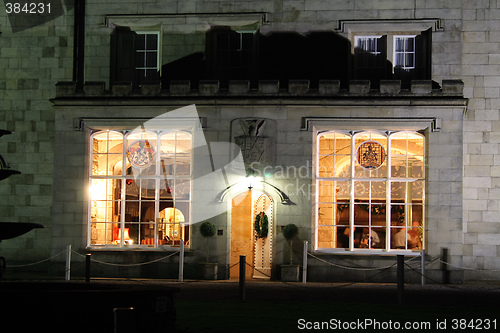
(208,270)
(290,273)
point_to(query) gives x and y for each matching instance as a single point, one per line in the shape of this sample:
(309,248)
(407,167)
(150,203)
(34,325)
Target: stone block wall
(481,75)
(32,61)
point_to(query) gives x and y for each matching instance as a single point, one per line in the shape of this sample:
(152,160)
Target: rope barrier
(429,262)
(129,265)
(36,263)
(352,268)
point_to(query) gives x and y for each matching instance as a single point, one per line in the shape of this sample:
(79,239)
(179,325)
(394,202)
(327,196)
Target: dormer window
(391,49)
(404,52)
(135,56)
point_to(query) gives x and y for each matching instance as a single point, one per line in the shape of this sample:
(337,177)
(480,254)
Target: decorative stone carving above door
(256,138)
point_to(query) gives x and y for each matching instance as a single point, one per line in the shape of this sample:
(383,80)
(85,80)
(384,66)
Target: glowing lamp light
(250,178)
(126,238)
(98,190)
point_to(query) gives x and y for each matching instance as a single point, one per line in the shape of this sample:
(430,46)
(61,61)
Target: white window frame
(404,53)
(145,51)
(353,179)
(357,40)
(158,178)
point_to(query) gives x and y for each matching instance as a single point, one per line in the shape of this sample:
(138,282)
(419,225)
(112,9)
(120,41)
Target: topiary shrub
(289,232)
(207,230)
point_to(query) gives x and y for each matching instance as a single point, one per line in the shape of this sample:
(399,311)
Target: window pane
(183,144)
(184,209)
(416,236)
(247,41)
(378,214)
(398,191)
(370,155)
(399,60)
(151,42)
(133,234)
(182,164)
(151,60)
(399,238)
(147,234)
(327,144)
(399,44)
(141,151)
(378,191)
(409,60)
(398,163)
(326,213)
(166,186)
(148,187)
(326,191)
(398,215)
(326,166)
(416,167)
(333,237)
(101,234)
(378,235)
(140,41)
(182,189)
(100,143)
(361,214)
(416,189)
(140,60)
(173,225)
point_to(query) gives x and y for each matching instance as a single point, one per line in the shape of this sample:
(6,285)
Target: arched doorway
(244,241)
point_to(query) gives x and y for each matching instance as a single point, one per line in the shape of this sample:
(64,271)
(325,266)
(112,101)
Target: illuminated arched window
(140,188)
(370,190)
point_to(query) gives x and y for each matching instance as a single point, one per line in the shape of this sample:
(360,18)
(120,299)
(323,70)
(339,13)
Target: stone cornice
(421,93)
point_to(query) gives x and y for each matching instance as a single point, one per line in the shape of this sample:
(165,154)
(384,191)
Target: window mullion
(351,204)
(388,197)
(124,184)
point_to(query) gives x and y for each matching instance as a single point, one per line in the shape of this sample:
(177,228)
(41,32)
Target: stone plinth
(390,87)
(359,86)
(269,86)
(329,87)
(180,87)
(298,87)
(94,88)
(239,87)
(421,87)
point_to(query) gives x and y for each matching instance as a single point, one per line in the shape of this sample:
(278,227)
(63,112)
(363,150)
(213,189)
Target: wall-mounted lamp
(250,179)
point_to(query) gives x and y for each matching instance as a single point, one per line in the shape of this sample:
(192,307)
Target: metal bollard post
(401,277)
(87,267)
(242,277)
(304,263)
(444,266)
(422,263)
(67,275)
(181,262)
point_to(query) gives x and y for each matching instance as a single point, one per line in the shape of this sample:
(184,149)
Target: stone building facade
(133,123)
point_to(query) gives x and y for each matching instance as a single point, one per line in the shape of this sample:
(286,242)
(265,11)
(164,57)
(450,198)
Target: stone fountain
(10,230)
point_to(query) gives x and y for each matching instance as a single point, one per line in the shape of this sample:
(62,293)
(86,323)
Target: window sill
(368,252)
(135,249)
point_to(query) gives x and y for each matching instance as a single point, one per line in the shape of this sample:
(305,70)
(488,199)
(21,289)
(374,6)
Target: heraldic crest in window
(370,155)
